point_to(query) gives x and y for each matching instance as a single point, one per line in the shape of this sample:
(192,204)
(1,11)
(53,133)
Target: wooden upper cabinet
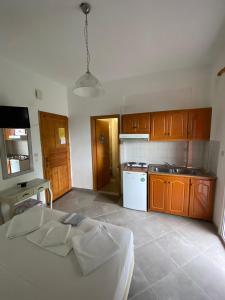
(136,123)
(158,126)
(199,124)
(170,125)
(178,195)
(201,199)
(177,124)
(157,193)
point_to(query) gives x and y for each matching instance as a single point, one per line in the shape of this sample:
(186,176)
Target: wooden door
(136,123)
(178,195)
(199,124)
(157,193)
(56,152)
(102,152)
(201,199)
(159,126)
(177,125)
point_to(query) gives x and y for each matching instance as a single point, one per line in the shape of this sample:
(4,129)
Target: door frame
(41,113)
(94,148)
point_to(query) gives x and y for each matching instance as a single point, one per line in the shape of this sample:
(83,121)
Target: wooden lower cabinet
(184,196)
(177,195)
(201,199)
(169,194)
(157,193)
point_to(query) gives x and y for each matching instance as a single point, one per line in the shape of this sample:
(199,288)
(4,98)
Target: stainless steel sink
(176,170)
(161,169)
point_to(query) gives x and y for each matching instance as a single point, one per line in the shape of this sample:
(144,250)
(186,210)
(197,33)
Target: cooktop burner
(137,164)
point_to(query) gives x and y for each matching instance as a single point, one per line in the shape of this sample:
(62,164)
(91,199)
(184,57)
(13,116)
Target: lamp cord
(86,43)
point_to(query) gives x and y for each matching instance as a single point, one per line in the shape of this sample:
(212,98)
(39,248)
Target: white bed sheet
(30,272)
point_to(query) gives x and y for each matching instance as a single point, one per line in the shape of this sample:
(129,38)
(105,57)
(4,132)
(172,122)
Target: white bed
(30,272)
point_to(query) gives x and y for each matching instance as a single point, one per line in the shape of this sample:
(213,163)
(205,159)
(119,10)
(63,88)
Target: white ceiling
(127,37)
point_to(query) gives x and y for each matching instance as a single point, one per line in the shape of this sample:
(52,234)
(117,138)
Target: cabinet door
(143,123)
(136,123)
(177,125)
(127,124)
(157,192)
(178,195)
(199,124)
(158,126)
(201,199)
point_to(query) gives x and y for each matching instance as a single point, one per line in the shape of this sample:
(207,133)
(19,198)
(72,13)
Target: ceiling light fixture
(87,85)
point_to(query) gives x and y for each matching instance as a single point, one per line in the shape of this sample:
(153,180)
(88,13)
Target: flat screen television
(14,117)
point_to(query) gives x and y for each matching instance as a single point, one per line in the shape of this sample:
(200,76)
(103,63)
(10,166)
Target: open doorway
(105,154)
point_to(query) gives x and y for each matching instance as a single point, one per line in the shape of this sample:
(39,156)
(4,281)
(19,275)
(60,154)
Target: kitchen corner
(183,186)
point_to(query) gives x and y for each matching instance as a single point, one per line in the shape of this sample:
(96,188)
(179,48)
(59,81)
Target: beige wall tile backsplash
(160,152)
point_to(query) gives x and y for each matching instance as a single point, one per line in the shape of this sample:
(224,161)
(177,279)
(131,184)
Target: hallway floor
(113,187)
(175,257)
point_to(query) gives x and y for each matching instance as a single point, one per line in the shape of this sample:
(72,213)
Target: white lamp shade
(88,86)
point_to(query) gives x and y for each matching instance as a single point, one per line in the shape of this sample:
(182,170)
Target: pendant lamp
(87,85)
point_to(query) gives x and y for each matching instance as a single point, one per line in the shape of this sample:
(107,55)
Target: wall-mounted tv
(14,117)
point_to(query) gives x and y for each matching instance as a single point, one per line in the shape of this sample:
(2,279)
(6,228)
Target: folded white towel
(54,236)
(94,248)
(25,223)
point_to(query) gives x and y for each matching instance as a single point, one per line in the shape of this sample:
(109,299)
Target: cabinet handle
(26,194)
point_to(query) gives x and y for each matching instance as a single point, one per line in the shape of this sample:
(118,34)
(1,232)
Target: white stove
(137,164)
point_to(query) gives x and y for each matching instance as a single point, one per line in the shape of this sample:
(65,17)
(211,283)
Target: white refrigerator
(135,190)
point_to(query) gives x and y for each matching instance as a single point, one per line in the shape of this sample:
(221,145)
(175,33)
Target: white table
(17,194)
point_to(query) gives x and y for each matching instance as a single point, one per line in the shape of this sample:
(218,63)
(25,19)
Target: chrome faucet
(166,164)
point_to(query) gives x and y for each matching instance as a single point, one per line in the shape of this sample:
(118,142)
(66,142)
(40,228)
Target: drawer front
(41,188)
(25,194)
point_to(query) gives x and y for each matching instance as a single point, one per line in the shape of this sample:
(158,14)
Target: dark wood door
(199,124)
(102,153)
(56,152)
(177,125)
(157,193)
(178,195)
(159,126)
(201,199)
(136,123)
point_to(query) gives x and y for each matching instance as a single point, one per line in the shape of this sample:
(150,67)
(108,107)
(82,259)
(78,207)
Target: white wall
(17,87)
(218,133)
(168,90)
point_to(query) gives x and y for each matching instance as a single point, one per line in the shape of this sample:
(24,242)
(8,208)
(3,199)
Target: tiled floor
(175,257)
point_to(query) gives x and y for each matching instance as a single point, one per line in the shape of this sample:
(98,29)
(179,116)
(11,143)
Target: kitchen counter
(202,174)
(124,167)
